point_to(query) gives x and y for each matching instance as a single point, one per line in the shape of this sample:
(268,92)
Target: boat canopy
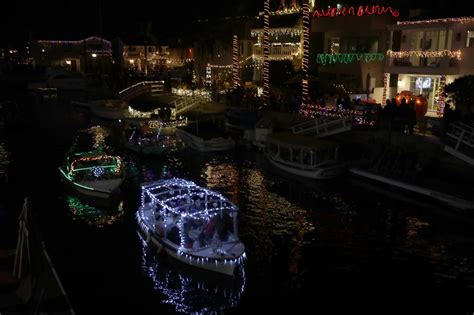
(185,198)
(287,139)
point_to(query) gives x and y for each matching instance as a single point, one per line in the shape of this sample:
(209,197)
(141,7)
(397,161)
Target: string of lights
(305,61)
(461,20)
(346,58)
(277,31)
(351,10)
(440,95)
(235,62)
(386,82)
(266,53)
(425,53)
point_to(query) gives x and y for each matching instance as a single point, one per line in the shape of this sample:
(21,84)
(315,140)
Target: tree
(148,37)
(461,91)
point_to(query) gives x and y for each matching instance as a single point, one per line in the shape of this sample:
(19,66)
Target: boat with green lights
(94,174)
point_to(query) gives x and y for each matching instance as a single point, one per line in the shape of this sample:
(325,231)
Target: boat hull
(148,234)
(199,144)
(325,171)
(148,150)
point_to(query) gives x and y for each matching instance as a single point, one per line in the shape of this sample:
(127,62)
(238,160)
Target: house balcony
(423,65)
(278,52)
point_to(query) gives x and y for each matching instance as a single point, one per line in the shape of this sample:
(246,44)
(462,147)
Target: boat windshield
(95,167)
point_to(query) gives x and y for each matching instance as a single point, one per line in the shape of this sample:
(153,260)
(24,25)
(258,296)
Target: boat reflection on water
(94,216)
(191,290)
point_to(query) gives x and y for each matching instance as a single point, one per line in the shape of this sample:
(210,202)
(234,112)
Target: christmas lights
(235,62)
(386,83)
(361,11)
(440,95)
(277,31)
(461,20)
(346,58)
(304,65)
(266,53)
(425,53)
(205,222)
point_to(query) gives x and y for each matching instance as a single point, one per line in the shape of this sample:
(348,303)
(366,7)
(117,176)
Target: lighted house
(434,51)
(134,56)
(75,55)
(285,35)
(213,50)
(349,49)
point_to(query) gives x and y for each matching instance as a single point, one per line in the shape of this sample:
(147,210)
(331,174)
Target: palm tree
(148,37)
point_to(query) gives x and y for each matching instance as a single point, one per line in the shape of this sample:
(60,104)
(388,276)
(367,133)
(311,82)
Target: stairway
(461,142)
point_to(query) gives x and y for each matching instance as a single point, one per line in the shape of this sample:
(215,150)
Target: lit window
(470,39)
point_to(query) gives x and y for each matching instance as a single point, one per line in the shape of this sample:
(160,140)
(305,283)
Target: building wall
(354,31)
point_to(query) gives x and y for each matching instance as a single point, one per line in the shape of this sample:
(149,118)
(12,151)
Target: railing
(428,62)
(277,51)
(322,127)
(463,148)
(146,87)
(182,105)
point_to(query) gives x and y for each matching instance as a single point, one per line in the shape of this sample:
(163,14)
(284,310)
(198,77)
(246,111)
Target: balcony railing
(277,52)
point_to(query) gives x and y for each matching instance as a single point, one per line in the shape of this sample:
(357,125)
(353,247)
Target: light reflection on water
(92,215)
(4,161)
(191,291)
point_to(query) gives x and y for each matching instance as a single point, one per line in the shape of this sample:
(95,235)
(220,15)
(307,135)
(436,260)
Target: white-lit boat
(303,156)
(198,226)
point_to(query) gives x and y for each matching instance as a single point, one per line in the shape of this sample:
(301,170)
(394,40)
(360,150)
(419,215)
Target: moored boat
(205,137)
(303,156)
(193,224)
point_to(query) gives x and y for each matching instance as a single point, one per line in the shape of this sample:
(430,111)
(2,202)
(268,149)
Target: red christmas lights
(360,11)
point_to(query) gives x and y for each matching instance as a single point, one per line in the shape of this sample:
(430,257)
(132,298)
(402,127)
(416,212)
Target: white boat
(202,138)
(193,224)
(303,156)
(112,109)
(94,174)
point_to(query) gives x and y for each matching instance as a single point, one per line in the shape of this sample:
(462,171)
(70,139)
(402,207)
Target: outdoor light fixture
(94,55)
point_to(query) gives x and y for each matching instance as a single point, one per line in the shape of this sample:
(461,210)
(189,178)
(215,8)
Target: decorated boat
(89,170)
(303,156)
(195,225)
(144,137)
(94,174)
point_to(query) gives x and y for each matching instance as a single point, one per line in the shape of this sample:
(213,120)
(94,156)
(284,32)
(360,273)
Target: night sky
(76,19)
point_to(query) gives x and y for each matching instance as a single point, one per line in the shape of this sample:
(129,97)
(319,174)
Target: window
(333,46)
(132,48)
(470,39)
(359,45)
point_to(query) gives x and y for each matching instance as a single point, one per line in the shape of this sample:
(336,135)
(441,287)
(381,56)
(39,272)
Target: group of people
(401,118)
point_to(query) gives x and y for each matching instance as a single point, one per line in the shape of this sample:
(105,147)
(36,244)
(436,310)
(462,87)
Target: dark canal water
(306,241)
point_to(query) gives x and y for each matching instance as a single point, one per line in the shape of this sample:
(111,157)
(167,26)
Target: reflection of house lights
(131,61)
